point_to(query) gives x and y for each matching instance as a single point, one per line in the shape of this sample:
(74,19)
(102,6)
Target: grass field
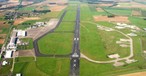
(27,67)
(70,16)
(96,43)
(119,11)
(93,41)
(86,14)
(54,66)
(66,26)
(5,70)
(138,21)
(29,8)
(26,47)
(56,43)
(108,69)
(60,42)
(42,67)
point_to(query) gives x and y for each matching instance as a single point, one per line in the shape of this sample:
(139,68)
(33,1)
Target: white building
(8,54)
(18,74)
(21,33)
(4,63)
(12,44)
(39,24)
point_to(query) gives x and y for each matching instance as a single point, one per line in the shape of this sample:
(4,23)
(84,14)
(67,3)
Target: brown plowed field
(123,19)
(21,20)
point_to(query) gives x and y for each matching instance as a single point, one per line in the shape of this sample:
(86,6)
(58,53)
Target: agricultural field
(140,22)
(119,11)
(4,29)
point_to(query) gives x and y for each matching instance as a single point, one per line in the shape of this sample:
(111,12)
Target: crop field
(122,19)
(42,67)
(30,8)
(143,13)
(4,29)
(21,20)
(119,11)
(138,21)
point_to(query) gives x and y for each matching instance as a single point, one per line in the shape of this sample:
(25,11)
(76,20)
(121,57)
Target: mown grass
(96,43)
(119,11)
(56,43)
(90,34)
(60,42)
(29,8)
(70,16)
(86,14)
(54,66)
(42,67)
(5,70)
(28,69)
(138,21)
(66,26)
(26,47)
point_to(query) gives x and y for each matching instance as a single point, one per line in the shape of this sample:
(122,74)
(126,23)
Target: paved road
(75,57)
(35,43)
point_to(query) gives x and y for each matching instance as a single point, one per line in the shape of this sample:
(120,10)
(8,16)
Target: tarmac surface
(75,57)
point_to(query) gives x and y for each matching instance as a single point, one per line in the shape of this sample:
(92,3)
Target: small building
(132,34)
(144,29)
(12,41)
(12,44)
(119,27)
(4,63)
(18,74)
(8,54)
(21,33)
(114,56)
(39,24)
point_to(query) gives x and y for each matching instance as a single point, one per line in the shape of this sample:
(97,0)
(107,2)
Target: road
(75,57)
